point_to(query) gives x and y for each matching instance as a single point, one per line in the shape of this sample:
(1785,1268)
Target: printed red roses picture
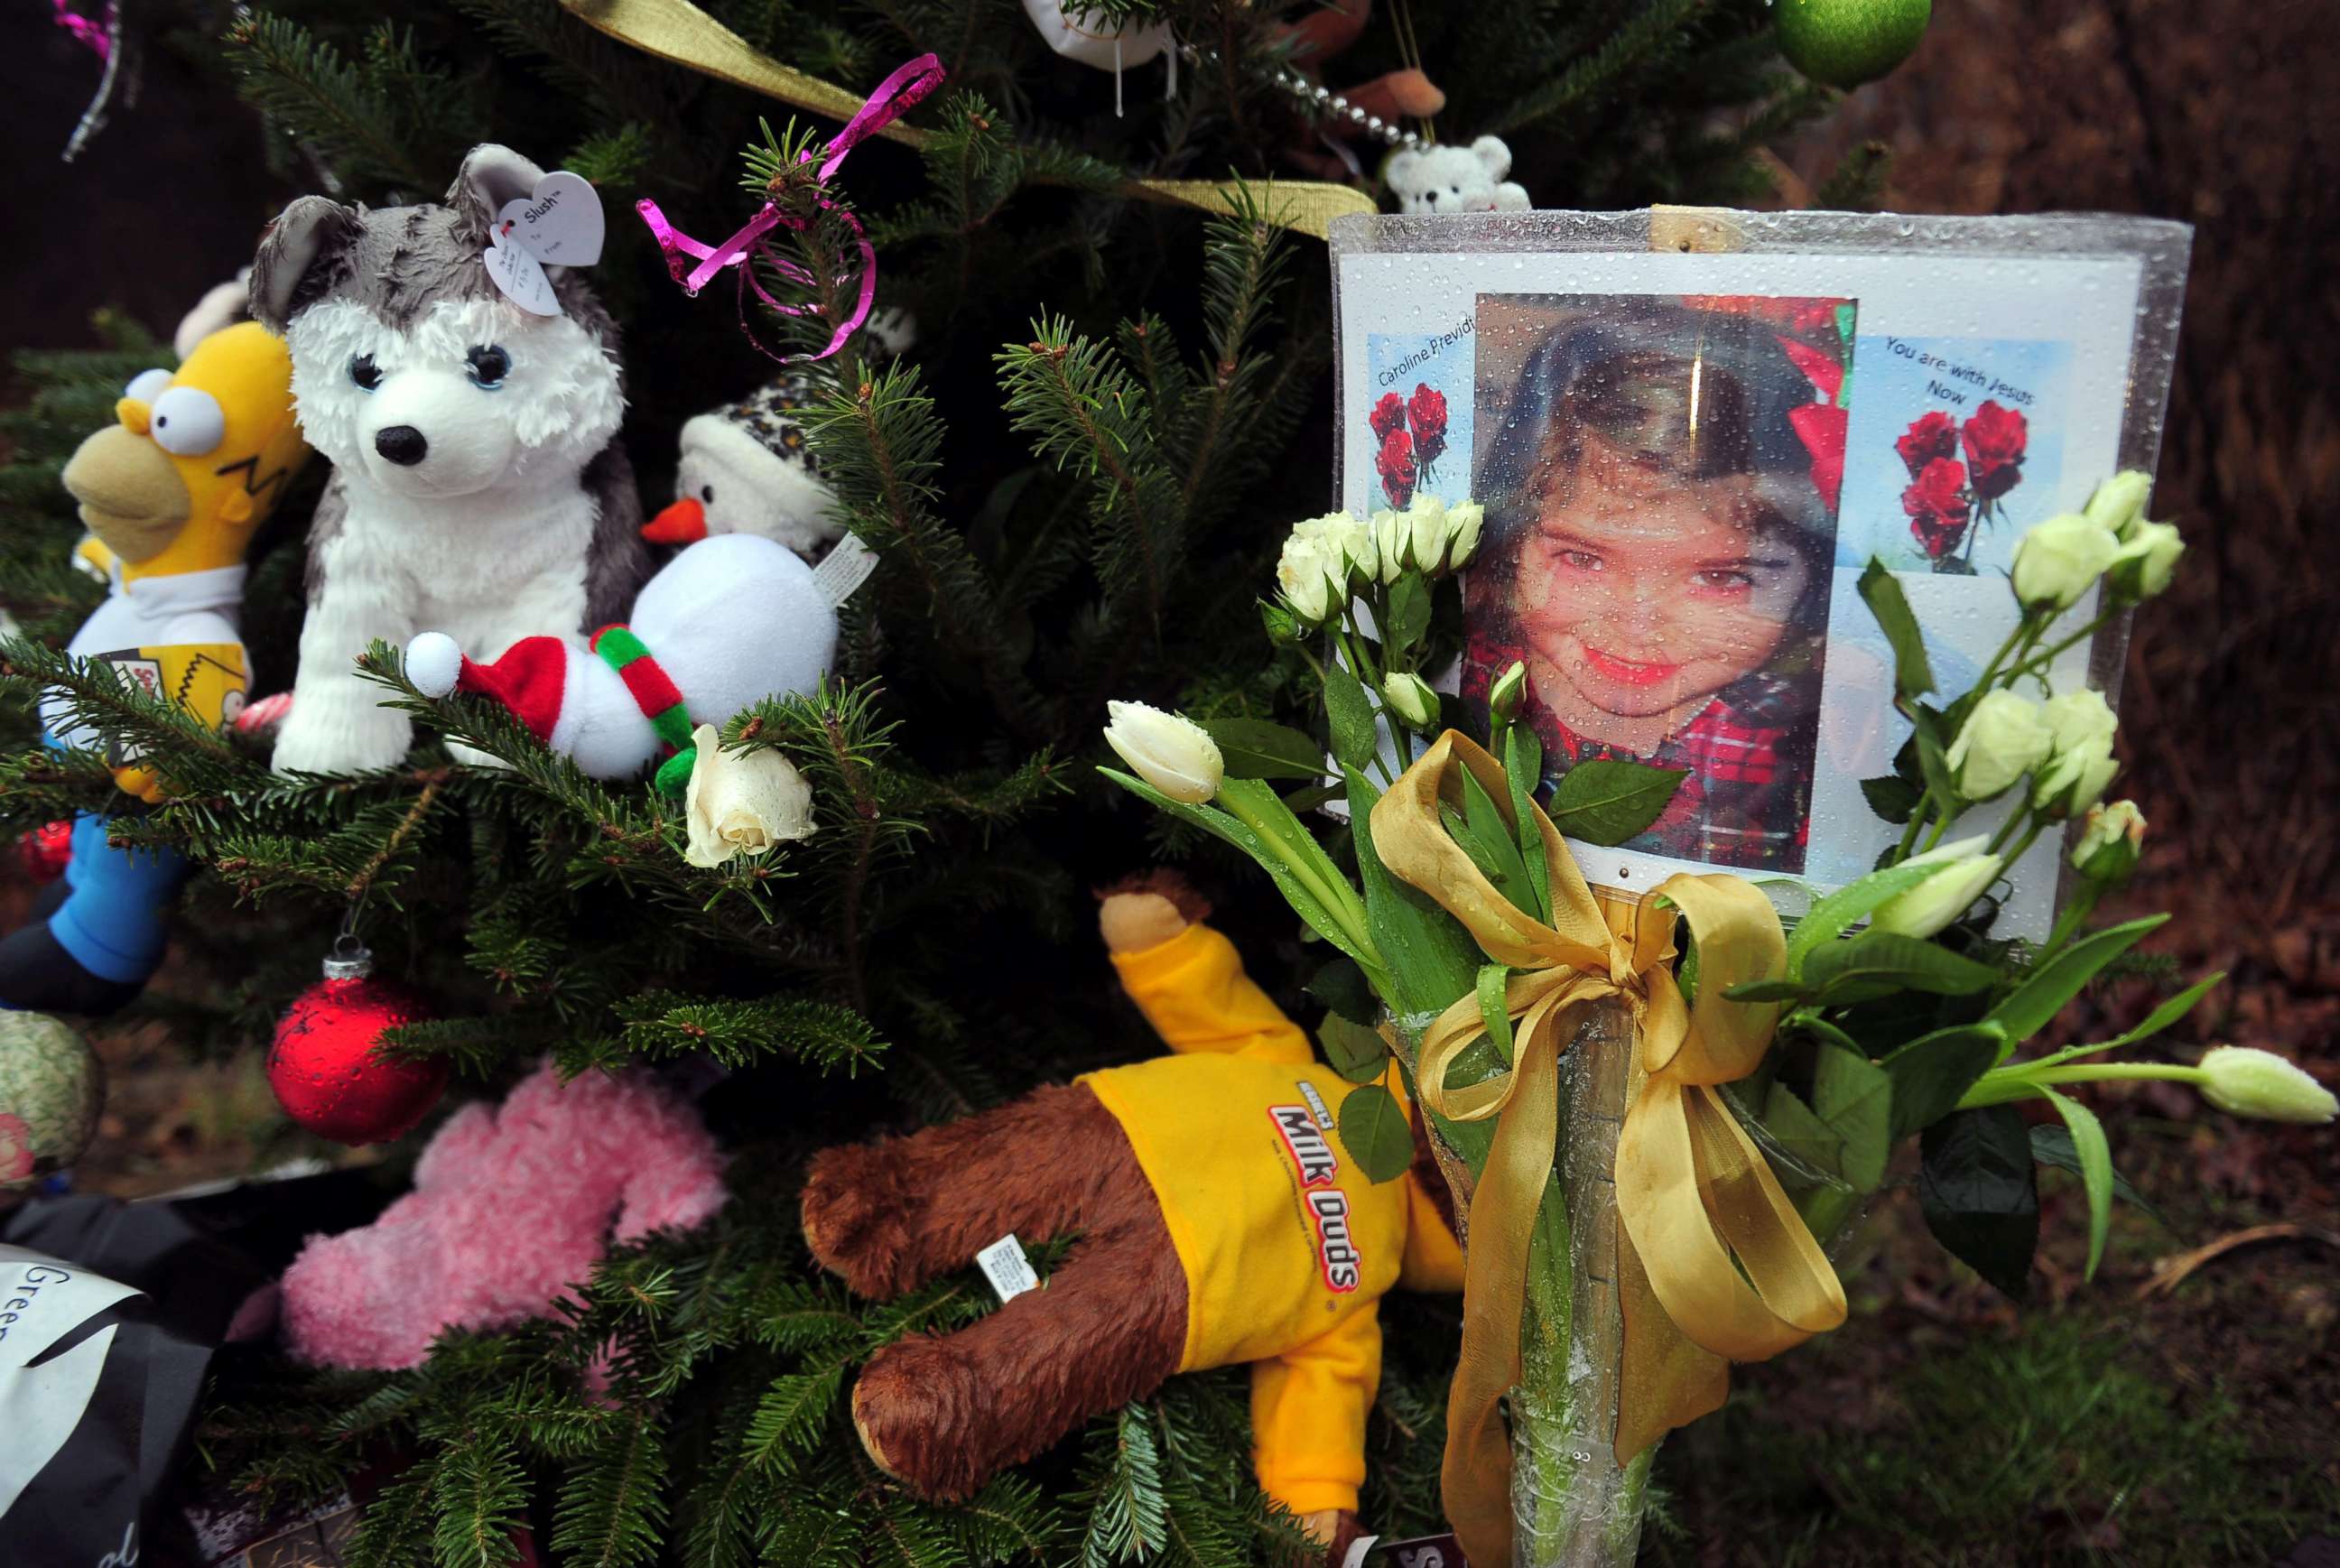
(1948,500)
(1411,436)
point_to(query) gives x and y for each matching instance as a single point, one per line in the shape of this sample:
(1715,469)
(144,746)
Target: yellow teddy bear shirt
(1287,1248)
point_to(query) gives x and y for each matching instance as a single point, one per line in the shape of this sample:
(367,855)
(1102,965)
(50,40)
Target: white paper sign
(1005,1266)
(41,1301)
(521,279)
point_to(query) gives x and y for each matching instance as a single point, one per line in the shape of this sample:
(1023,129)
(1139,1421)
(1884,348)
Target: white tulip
(1169,751)
(2120,502)
(2147,561)
(2246,1082)
(2060,559)
(741,802)
(1966,871)
(2004,737)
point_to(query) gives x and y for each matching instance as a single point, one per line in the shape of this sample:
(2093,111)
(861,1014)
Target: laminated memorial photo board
(1834,388)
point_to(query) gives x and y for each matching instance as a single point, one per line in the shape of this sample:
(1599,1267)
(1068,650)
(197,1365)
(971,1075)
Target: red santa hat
(531,679)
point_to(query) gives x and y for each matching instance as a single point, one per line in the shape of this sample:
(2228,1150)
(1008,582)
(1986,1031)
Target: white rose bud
(741,802)
(2246,1082)
(1304,573)
(1503,698)
(2058,560)
(2120,502)
(2077,718)
(1943,897)
(2004,737)
(2147,561)
(1426,532)
(1392,531)
(2110,842)
(1464,520)
(1410,698)
(1353,558)
(2075,780)
(1169,751)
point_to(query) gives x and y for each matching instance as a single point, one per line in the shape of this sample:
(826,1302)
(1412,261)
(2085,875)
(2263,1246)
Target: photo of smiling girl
(1661,484)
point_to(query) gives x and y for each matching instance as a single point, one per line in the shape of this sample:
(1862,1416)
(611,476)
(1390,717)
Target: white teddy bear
(1449,179)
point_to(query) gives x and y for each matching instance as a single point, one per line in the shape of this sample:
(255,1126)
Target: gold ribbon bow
(1693,1192)
(679,32)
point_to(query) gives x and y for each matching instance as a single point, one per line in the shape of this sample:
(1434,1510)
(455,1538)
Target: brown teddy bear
(1221,1221)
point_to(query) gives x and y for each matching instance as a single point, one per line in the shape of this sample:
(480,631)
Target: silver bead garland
(1321,99)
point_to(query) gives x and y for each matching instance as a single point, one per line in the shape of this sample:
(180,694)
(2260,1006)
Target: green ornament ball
(1844,43)
(52,1086)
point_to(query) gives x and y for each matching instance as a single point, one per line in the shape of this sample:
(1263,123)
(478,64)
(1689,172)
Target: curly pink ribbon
(93,31)
(894,97)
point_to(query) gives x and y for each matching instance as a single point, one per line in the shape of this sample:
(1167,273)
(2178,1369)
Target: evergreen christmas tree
(1074,479)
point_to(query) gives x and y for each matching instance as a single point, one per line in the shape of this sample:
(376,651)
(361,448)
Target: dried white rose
(741,802)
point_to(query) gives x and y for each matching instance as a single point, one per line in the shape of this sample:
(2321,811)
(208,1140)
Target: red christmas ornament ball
(324,1071)
(43,852)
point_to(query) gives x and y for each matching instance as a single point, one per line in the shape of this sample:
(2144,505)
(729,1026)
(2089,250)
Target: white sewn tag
(1005,1266)
(559,223)
(844,569)
(520,277)
(1358,1550)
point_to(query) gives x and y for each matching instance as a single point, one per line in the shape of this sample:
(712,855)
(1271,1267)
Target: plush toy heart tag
(559,223)
(520,277)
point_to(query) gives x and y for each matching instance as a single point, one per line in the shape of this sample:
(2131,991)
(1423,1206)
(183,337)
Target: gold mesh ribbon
(678,31)
(1693,1192)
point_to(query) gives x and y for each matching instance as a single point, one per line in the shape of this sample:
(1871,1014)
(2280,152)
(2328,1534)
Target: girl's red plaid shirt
(1746,802)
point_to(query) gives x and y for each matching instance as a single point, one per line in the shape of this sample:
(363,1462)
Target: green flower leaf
(1523,771)
(1932,1071)
(1409,613)
(1879,963)
(1891,796)
(1342,986)
(2053,1145)
(1881,591)
(1491,1011)
(1355,1052)
(1854,1097)
(2027,1009)
(1605,801)
(1375,1132)
(1351,714)
(1979,1194)
(2095,1159)
(1854,902)
(1263,748)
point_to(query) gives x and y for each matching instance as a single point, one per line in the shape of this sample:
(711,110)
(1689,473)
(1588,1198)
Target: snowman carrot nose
(684,523)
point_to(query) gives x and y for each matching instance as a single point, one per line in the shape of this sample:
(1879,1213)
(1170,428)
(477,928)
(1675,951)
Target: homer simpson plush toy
(1221,1221)
(173,494)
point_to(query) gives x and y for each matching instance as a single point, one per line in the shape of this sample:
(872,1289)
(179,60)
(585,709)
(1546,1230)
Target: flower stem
(2002,1085)
(1342,903)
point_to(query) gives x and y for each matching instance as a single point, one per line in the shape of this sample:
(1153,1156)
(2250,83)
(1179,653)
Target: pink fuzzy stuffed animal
(510,1207)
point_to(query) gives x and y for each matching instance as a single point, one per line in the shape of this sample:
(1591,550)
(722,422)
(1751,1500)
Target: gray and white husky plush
(478,485)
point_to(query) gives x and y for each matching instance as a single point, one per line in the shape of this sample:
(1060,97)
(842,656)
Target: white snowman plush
(729,622)
(744,469)
(1448,179)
